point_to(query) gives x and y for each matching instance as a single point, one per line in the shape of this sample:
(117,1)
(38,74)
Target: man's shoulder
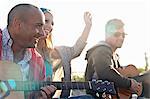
(101,46)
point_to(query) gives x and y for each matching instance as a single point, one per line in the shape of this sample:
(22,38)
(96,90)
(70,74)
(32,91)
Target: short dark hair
(16,9)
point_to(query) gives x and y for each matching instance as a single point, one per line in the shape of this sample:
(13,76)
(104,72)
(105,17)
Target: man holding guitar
(22,70)
(103,62)
(17,44)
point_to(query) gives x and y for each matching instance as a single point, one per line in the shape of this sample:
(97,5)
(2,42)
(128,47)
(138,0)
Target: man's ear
(17,23)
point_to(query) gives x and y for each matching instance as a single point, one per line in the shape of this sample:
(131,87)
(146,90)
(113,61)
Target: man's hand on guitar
(48,91)
(136,87)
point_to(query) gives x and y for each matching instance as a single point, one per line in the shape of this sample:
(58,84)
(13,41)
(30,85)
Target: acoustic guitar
(12,86)
(128,71)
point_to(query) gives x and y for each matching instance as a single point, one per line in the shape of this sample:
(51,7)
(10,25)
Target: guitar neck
(35,86)
(14,84)
(96,86)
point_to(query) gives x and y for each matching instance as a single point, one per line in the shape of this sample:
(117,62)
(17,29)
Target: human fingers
(44,96)
(136,87)
(133,85)
(139,89)
(52,88)
(48,91)
(88,18)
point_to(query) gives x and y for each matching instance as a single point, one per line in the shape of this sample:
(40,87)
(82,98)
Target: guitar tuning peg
(110,90)
(106,81)
(93,80)
(98,88)
(99,81)
(104,89)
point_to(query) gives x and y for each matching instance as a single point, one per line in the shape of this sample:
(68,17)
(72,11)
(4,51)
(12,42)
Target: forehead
(48,15)
(120,30)
(36,16)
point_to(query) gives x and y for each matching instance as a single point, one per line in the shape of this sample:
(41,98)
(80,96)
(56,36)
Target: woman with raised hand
(62,55)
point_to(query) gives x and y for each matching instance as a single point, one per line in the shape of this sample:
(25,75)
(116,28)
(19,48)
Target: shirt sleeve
(68,53)
(101,58)
(78,47)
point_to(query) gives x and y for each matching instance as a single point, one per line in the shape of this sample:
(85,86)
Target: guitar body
(9,70)
(128,71)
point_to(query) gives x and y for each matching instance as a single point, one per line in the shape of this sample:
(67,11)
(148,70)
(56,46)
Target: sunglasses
(118,34)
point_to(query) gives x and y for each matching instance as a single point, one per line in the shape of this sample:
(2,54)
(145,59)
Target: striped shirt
(7,54)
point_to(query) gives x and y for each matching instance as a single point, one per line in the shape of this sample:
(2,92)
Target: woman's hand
(88,18)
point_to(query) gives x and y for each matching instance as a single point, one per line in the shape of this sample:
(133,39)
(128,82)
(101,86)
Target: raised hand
(88,25)
(88,18)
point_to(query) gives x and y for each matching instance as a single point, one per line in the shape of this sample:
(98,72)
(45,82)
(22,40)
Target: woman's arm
(68,53)
(87,28)
(81,42)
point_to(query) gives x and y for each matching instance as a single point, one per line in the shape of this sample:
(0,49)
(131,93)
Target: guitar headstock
(103,86)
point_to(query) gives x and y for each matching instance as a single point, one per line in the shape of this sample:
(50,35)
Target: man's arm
(102,62)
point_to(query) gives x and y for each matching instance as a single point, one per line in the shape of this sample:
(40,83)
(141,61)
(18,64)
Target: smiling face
(48,26)
(29,30)
(46,43)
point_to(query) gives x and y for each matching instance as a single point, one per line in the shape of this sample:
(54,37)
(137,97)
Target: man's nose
(41,34)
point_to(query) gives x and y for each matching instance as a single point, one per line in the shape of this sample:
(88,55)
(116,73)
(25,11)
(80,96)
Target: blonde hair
(49,42)
(112,26)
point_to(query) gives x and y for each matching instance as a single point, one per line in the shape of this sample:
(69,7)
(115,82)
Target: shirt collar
(27,57)
(7,41)
(6,38)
